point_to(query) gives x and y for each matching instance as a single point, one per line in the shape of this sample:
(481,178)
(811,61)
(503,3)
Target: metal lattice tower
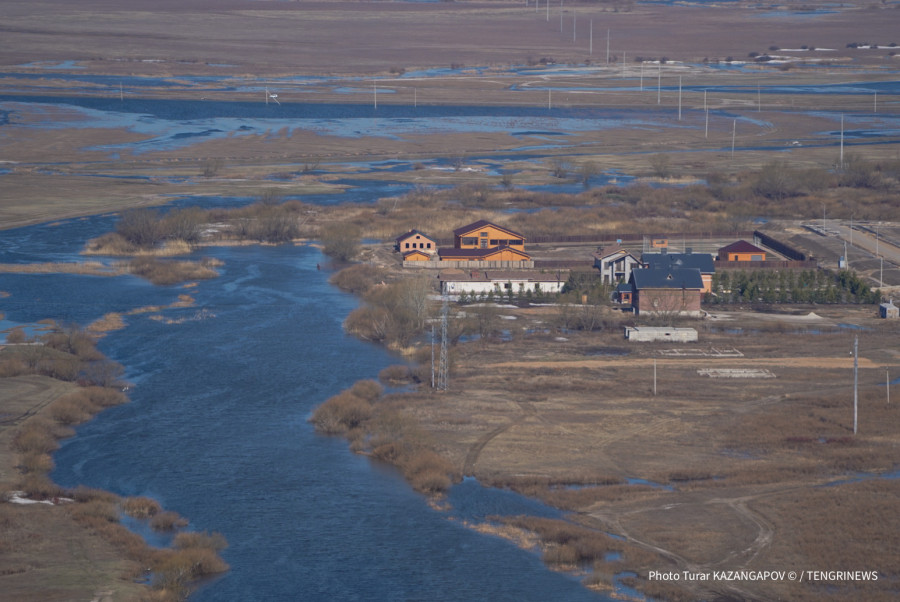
(443,367)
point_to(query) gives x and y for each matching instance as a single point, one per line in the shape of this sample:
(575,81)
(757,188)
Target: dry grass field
(712,472)
(244,46)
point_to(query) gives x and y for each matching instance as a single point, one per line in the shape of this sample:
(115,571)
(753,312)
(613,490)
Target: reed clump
(167,521)
(396,374)
(566,544)
(341,413)
(140,507)
(163,272)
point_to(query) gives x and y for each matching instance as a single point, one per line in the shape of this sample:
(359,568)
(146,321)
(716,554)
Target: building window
(407,245)
(470,240)
(429,245)
(484,235)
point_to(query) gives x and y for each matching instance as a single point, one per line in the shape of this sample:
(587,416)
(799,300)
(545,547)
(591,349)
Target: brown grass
(163,272)
(109,322)
(341,413)
(140,507)
(167,521)
(90,268)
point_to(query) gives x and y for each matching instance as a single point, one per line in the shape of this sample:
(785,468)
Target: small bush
(72,409)
(368,390)
(86,494)
(210,541)
(35,438)
(39,486)
(162,272)
(167,521)
(395,374)
(341,413)
(36,463)
(95,511)
(16,336)
(140,507)
(12,366)
(358,278)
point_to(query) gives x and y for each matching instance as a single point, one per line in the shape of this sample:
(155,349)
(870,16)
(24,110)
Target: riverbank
(676,451)
(62,544)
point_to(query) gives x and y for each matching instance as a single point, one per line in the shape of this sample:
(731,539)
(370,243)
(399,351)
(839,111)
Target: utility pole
(855,381)
(679,98)
(607,46)
(654,377)
(841,162)
(432,356)
(733,132)
(443,366)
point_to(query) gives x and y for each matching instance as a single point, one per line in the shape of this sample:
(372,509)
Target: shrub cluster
(372,426)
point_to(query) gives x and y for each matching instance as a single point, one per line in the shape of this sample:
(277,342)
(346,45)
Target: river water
(217,431)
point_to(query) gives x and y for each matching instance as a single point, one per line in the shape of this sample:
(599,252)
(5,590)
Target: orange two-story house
(485,241)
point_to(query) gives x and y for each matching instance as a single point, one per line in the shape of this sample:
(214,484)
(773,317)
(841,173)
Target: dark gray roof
(701,261)
(688,278)
(623,287)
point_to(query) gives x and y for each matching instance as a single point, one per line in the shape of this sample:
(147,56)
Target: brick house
(667,291)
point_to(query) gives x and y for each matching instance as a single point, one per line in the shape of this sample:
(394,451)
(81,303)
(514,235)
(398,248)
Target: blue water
(217,431)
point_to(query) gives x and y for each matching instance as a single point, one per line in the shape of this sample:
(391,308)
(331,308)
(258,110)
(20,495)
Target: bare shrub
(34,438)
(111,243)
(396,374)
(167,521)
(95,511)
(140,227)
(340,241)
(15,336)
(183,224)
(36,463)
(74,341)
(428,472)
(39,486)
(661,166)
(73,408)
(369,390)
(211,541)
(162,272)
(358,278)
(341,413)
(12,366)
(103,373)
(86,494)
(105,397)
(140,507)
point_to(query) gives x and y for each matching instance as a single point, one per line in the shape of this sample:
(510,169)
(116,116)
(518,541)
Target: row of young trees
(790,286)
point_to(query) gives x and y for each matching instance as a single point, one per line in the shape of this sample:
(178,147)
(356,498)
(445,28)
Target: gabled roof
(623,287)
(741,246)
(701,261)
(687,278)
(409,254)
(476,254)
(413,233)
(480,225)
(611,250)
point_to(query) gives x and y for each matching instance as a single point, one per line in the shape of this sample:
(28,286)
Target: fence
(809,264)
(446,265)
